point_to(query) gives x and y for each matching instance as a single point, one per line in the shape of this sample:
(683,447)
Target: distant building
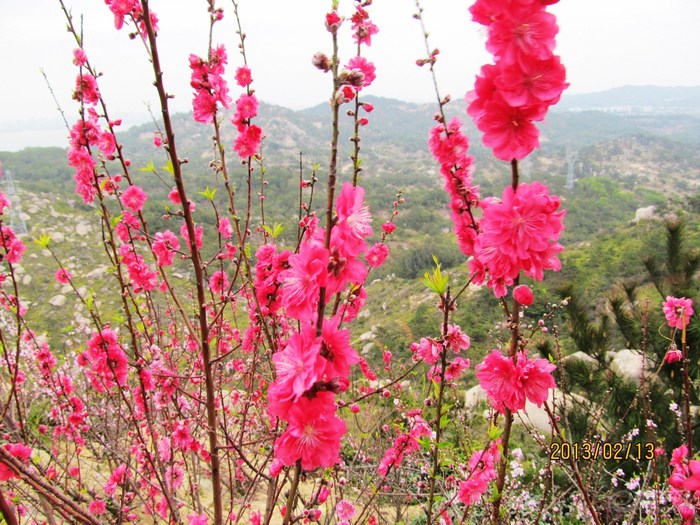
(17,223)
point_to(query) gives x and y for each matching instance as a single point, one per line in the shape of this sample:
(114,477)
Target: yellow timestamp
(605,450)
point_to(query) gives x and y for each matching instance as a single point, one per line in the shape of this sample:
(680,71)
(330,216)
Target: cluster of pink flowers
(430,350)
(312,367)
(118,476)
(405,443)
(684,483)
(4,203)
(449,146)
(518,232)
(68,411)
(482,470)
(87,133)
(268,267)
(164,247)
(210,87)
(142,277)
(678,311)
(86,90)
(509,383)
(123,9)
(198,236)
(363,28)
(247,142)
(105,361)
(12,247)
(45,359)
(526,79)
(19,451)
(453,370)
(359,72)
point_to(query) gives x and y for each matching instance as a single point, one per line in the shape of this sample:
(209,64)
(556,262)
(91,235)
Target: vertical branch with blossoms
(517,233)
(326,272)
(684,480)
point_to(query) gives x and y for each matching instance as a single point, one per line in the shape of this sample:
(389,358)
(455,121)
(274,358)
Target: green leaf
(44,240)
(169,168)
(424,442)
(208,193)
(436,282)
(89,301)
(494,494)
(494,432)
(279,228)
(444,421)
(150,167)
(274,232)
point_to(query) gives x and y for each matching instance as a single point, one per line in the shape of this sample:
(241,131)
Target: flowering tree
(235,399)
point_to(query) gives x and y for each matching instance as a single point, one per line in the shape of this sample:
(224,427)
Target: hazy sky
(603,44)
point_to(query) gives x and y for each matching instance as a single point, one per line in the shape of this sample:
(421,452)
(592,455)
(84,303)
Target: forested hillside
(605,166)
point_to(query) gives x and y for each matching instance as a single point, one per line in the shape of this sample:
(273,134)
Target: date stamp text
(605,450)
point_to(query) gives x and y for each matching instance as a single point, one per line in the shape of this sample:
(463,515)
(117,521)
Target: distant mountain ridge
(398,130)
(408,122)
(636,100)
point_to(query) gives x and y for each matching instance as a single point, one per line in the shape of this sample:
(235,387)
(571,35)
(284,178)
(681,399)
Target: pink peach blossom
(313,433)
(134,198)
(678,311)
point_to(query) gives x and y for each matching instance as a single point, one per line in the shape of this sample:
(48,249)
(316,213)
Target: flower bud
(687,511)
(322,62)
(353,77)
(345,94)
(333,21)
(523,294)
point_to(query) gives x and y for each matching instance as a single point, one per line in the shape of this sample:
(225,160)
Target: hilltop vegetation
(619,163)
